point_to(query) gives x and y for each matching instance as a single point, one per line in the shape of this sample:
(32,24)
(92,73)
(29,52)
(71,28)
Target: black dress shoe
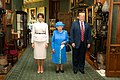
(62,71)
(82,71)
(57,71)
(75,71)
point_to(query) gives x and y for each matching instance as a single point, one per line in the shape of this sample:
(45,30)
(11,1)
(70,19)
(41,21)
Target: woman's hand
(46,45)
(53,50)
(33,45)
(63,42)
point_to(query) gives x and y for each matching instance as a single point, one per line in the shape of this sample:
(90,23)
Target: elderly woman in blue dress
(59,40)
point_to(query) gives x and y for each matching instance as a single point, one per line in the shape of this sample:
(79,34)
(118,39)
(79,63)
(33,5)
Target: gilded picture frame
(30,1)
(9,17)
(89,15)
(32,14)
(41,10)
(7,1)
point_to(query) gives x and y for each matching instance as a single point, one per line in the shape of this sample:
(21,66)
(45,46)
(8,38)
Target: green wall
(17,5)
(14,6)
(64,5)
(44,3)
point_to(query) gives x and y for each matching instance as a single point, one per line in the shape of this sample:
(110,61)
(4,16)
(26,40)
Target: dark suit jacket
(75,34)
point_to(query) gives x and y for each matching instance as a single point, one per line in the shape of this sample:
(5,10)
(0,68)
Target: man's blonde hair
(81,14)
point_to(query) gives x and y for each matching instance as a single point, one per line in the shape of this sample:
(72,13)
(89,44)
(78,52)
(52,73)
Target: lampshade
(105,7)
(0,4)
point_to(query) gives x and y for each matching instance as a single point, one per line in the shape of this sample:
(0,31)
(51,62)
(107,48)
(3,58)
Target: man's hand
(73,45)
(88,46)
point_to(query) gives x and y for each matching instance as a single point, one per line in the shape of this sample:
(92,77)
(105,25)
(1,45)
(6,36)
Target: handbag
(40,37)
(68,48)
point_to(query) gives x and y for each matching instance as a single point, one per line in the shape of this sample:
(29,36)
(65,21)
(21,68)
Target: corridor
(26,69)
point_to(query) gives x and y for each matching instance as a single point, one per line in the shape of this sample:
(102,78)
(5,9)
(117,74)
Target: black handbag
(68,48)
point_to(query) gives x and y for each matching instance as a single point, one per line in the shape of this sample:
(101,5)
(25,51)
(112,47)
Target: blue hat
(59,24)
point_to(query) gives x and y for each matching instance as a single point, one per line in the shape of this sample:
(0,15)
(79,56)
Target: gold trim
(89,15)
(32,14)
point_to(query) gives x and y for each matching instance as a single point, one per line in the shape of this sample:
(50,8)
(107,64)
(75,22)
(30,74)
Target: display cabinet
(99,47)
(21,23)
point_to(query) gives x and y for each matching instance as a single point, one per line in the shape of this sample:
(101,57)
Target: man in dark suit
(80,38)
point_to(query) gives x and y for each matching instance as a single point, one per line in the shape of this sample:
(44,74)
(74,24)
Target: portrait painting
(32,14)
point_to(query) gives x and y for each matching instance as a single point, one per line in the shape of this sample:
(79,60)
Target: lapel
(85,25)
(78,25)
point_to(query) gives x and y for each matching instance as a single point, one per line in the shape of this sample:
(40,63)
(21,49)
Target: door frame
(112,56)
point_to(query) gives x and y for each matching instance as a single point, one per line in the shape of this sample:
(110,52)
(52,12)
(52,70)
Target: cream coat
(39,47)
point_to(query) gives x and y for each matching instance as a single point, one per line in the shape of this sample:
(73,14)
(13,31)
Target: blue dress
(59,56)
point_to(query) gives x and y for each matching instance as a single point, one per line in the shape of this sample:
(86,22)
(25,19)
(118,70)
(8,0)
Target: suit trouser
(78,57)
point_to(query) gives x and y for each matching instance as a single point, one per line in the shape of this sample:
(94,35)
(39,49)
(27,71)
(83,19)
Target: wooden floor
(2,77)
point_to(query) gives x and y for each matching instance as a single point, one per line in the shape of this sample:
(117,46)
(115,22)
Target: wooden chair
(12,53)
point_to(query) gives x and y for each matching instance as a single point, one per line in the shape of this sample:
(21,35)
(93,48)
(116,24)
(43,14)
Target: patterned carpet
(26,69)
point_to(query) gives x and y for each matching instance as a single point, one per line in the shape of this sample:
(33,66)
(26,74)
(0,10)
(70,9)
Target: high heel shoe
(38,70)
(62,71)
(57,71)
(42,70)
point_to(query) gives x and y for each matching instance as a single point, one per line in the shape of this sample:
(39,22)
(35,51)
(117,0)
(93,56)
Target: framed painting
(8,1)
(9,17)
(32,14)
(89,15)
(25,9)
(41,10)
(31,1)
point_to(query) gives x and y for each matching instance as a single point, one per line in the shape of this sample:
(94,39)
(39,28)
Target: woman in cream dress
(40,44)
